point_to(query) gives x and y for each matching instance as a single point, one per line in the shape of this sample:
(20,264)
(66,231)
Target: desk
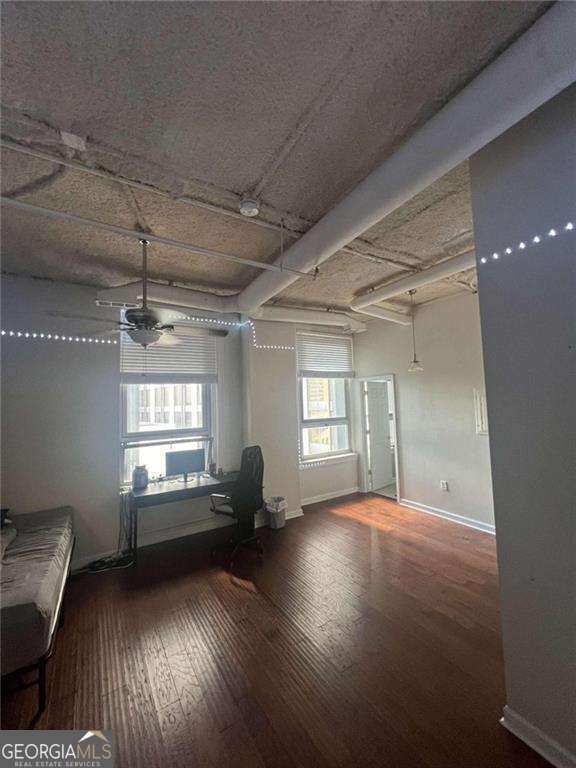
(168,491)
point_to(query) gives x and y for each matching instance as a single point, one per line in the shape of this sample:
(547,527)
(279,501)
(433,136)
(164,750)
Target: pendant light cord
(412,292)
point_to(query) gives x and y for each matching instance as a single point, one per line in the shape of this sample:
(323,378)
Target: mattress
(34,571)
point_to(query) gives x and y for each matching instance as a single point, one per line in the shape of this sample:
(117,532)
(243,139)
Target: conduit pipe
(51,213)
(535,68)
(431,275)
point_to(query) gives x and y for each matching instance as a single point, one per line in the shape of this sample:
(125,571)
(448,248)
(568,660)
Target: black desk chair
(244,501)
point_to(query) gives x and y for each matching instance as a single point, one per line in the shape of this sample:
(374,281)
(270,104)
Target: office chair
(244,501)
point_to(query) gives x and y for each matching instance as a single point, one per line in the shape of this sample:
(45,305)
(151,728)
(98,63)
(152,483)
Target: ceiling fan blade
(165,315)
(91,318)
(65,316)
(167,340)
(192,330)
(99,334)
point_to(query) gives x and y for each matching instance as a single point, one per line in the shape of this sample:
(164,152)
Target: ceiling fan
(147,325)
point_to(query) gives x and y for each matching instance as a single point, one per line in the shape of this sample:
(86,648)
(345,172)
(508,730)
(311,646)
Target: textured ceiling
(293,101)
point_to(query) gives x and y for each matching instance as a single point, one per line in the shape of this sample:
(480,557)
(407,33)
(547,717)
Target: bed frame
(40,665)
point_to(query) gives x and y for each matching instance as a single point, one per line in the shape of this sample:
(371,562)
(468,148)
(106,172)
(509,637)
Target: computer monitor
(185,462)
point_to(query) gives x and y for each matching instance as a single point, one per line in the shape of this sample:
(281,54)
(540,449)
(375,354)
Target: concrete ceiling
(294,102)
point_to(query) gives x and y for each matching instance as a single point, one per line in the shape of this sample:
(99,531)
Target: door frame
(364,468)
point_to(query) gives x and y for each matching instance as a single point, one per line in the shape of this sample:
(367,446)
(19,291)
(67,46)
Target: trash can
(276,508)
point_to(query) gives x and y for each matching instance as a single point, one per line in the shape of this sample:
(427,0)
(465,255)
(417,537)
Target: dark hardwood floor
(368,637)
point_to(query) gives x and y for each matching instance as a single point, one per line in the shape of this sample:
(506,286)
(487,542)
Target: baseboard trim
(328,496)
(469,522)
(535,738)
(294,513)
(157,536)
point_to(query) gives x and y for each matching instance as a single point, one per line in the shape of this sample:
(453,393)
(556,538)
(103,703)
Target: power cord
(123,556)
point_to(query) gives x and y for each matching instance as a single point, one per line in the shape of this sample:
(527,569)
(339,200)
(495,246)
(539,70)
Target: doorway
(380,436)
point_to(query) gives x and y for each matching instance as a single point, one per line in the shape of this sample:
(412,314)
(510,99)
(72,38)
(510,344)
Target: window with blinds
(324,356)
(324,365)
(193,360)
(167,397)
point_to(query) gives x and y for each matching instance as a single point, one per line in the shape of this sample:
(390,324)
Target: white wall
(272,411)
(523,184)
(60,420)
(271,408)
(60,412)
(437,437)
(337,477)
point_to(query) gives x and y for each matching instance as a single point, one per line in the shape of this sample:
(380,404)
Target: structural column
(524,203)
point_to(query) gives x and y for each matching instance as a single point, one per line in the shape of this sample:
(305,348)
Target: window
(324,367)
(166,401)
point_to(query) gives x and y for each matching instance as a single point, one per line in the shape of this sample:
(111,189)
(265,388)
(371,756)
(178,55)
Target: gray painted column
(524,185)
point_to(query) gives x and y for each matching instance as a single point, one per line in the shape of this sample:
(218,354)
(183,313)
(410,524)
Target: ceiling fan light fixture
(144,336)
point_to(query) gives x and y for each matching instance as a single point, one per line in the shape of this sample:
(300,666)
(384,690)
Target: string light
(34,336)
(281,347)
(522,245)
(213,320)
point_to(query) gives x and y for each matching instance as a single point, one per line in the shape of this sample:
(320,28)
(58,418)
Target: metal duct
(531,71)
(445,269)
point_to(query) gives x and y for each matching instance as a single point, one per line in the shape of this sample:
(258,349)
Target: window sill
(327,461)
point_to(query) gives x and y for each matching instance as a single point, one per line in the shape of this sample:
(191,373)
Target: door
(380,436)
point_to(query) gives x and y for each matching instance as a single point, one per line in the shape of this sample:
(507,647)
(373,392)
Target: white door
(380,435)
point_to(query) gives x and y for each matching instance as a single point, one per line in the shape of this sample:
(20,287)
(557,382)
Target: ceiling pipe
(309,317)
(51,213)
(169,294)
(218,209)
(531,71)
(431,275)
(178,297)
(386,314)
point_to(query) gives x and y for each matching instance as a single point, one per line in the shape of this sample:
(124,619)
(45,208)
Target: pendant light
(415,366)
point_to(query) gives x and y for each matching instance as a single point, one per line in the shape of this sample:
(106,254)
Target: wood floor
(368,637)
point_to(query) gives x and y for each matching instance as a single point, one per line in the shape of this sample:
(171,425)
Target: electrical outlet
(444,485)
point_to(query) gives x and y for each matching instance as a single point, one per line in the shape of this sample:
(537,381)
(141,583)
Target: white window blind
(194,359)
(323,356)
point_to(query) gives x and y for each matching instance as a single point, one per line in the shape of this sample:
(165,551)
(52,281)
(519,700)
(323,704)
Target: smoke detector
(73,141)
(249,207)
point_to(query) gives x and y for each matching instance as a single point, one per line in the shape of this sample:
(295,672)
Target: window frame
(130,440)
(332,421)
(160,434)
